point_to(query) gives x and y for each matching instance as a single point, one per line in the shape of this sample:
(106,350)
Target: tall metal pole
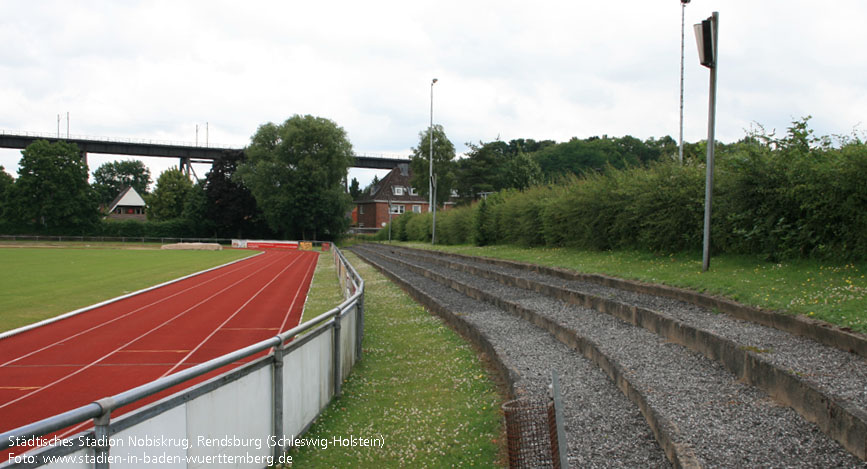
(711,121)
(432,200)
(682,27)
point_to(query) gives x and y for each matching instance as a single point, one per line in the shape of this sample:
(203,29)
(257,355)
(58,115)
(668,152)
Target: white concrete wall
(307,384)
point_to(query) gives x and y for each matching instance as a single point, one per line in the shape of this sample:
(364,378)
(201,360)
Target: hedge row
(178,228)
(780,199)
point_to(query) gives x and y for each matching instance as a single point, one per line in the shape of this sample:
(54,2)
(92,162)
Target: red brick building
(372,205)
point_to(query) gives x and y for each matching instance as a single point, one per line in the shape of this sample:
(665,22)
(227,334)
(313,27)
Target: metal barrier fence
(251,413)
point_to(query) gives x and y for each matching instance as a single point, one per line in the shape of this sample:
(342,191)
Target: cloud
(507,69)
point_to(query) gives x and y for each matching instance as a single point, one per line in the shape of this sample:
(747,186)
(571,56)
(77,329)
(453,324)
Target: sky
(156,70)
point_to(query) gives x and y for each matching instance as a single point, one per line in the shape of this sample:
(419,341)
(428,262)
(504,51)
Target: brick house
(128,205)
(372,205)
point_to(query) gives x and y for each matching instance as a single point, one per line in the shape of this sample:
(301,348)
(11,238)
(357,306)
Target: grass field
(832,292)
(419,386)
(37,283)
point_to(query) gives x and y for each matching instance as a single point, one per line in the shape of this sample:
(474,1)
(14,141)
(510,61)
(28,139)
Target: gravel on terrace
(603,428)
(831,370)
(727,423)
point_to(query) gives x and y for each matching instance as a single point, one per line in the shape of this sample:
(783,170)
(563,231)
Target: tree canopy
(230,205)
(595,154)
(6,183)
(51,191)
(113,177)
(443,154)
(295,171)
(167,200)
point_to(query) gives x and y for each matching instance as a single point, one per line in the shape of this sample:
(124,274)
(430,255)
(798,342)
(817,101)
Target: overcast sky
(506,69)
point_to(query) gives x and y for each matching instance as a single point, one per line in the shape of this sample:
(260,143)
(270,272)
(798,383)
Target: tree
(170,193)
(6,183)
(481,171)
(521,172)
(354,189)
(295,172)
(195,211)
(230,205)
(52,190)
(443,154)
(115,176)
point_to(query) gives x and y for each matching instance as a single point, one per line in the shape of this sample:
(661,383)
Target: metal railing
(344,351)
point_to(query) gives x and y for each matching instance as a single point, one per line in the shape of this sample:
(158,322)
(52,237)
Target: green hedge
(178,228)
(786,198)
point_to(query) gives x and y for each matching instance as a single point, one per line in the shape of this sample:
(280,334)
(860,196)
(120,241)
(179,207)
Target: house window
(361,209)
(397,209)
(412,191)
(416,208)
(398,190)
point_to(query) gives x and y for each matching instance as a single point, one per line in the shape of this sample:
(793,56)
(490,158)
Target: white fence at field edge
(243,418)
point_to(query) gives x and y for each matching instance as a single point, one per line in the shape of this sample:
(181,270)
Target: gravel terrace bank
(711,418)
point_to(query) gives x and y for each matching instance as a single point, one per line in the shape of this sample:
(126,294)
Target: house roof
(384,192)
(127,198)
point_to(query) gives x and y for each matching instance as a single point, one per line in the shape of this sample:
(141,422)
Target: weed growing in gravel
(419,387)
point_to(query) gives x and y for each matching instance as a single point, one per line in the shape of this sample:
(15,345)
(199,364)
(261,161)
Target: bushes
(776,198)
(783,200)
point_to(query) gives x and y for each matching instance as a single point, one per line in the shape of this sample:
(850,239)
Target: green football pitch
(40,283)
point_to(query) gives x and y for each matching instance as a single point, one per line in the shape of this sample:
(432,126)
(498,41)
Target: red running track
(116,347)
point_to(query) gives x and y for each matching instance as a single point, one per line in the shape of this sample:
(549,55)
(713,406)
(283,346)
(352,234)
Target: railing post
(102,445)
(278,399)
(359,325)
(337,374)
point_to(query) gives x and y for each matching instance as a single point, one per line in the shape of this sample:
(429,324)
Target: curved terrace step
(661,370)
(604,429)
(828,386)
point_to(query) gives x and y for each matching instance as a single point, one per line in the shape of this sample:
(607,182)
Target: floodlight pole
(432,196)
(711,121)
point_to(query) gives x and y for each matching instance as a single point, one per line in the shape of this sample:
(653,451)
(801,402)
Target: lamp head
(434,81)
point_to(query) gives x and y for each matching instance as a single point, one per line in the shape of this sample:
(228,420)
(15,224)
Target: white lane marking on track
(61,341)
(202,343)
(85,367)
(84,424)
(303,281)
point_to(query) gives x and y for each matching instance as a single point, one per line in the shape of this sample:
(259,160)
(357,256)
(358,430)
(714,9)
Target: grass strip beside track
(324,293)
(825,290)
(419,386)
(39,283)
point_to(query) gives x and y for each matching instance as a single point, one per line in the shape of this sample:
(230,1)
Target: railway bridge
(187,153)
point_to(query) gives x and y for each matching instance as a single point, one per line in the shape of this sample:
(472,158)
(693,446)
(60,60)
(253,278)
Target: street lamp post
(431,187)
(682,27)
(706,35)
